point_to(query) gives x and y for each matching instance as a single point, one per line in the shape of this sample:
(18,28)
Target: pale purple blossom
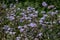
(40,34)
(33,15)
(11,18)
(18,38)
(22,30)
(11,5)
(41,21)
(29,8)
(5,27)
(25,26)
(44,4)
(19,27)
(9,29)
(45,15)
(52,13)
(32,25)
(27,18)
(51,6)
(12,33)
(43,18)
(4,5)
(36,12)
(21,20)
(22,14)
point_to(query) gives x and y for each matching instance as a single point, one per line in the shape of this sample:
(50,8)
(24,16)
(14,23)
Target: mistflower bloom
(29,8)
(12,14)
(11,5)
(27,18)
(21,30)
(9,29)
(13,33)
(5,27)
(33,15)
(32,25)
(51,6)
(36,12)
(43,18)
(47,22)
(11,18)
(21,20)
(36,39)
(25,26)
(10,33)
(19,27)
(30,15)
(40,34)
(18,38)
(58,21)
(26,38)
(56,11)
(41,21)
(52,13)
(45,15)
(3,6)
(44,4)
(14,10)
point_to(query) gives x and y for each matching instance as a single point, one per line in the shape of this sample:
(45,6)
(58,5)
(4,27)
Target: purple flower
(14,33)
(44,4)
(41,21)
(29,8)
(19,27)
(10,33)
(43,18)
(45,15)
(11,18)
(3,6)
(5,27)
(18,38)
(51,13)
(21,20)
(36,12)
(40,34)
(32,24)
(51,6)
(21,30)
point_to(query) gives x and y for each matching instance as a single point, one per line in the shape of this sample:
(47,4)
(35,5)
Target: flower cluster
(25,24)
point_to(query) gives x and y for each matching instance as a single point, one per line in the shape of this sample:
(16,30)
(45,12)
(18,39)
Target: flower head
(44,4)
(32,24)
